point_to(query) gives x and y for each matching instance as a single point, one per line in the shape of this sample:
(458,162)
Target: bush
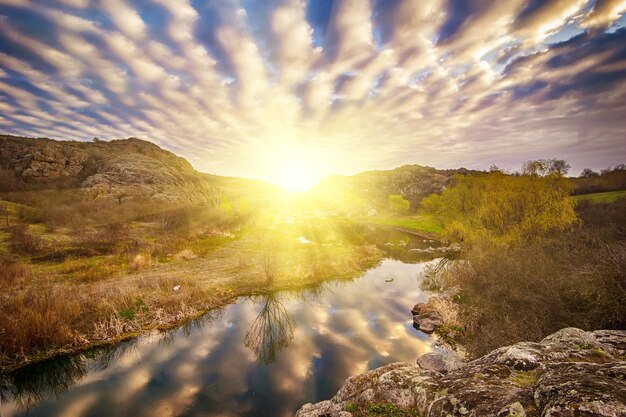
(501,210)
(22,241)
(398,204)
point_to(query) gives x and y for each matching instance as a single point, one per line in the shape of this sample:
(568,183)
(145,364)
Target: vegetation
(501,210)
(609,179)
(607,197)
(420,223)
(398,204)
(79,272)
(378,409)
(533,262)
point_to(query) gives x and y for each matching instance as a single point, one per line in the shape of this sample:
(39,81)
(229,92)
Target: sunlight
(295,167)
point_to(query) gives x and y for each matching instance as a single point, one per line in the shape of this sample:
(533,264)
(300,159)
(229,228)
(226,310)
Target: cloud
(375,84)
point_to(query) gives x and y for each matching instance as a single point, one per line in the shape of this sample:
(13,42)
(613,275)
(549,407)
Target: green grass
(425,224)
(607,197)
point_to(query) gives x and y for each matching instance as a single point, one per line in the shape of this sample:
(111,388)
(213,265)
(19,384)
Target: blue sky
(335,86)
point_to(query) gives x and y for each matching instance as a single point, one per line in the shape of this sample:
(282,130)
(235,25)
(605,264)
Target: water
(261,356)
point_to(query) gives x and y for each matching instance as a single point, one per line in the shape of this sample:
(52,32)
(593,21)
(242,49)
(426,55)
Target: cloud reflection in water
(262,356)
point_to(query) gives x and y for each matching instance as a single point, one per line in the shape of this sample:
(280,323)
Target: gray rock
(439,362)
(570,373)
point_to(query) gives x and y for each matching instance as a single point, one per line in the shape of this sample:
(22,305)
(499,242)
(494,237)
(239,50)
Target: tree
(558,167)
(545,167)
(589,173)
(398,204)
(499,209)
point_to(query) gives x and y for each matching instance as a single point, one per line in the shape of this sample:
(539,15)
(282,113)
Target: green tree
(398,204)
(499,209)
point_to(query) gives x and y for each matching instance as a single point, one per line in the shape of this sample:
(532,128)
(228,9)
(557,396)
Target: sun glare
(296,168)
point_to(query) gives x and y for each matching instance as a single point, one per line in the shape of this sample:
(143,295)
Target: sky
(303,89)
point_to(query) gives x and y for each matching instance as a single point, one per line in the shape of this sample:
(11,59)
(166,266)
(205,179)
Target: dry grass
(140,261)
(448,310)
(105,298)
(12,273)
(185,255)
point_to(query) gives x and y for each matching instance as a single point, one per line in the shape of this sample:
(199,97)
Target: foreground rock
(571,373)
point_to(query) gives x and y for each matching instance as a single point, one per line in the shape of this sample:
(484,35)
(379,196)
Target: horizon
(290,92)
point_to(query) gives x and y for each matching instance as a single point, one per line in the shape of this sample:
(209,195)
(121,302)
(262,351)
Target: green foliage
(398,204)
(499,209)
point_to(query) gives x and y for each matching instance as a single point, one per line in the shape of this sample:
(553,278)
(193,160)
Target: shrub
(495,209)
(22,241)
(398,204)
(140,261)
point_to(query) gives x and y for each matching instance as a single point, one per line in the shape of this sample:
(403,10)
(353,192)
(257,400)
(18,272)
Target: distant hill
(135,168)
(117,169)
(372,188)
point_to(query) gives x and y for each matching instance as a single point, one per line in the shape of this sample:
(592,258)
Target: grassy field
(421,224)
(67,285)
(607,197)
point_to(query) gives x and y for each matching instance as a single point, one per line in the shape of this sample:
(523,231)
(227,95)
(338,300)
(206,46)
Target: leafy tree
(500,209)
(398,204)
(589,173)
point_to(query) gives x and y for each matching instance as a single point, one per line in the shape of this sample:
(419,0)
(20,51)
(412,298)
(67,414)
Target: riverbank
(53,308)
(571,372)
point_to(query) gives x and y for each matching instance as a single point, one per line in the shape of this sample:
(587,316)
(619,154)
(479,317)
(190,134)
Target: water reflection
(270,331)
(262,356)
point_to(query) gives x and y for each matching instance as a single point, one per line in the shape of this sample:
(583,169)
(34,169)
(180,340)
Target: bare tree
(271,331)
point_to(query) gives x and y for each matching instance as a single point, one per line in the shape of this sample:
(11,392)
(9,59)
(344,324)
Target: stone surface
(571,373)
(439,362)
(427,322)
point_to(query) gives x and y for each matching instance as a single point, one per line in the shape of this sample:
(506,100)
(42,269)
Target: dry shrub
(140,261)
(530,292)
(447,309)
(185,255)
(22,241)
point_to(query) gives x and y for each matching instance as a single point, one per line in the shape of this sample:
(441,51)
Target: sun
(296,167)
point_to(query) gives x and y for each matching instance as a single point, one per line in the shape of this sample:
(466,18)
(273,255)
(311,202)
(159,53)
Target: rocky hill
(571,373)
(120,169)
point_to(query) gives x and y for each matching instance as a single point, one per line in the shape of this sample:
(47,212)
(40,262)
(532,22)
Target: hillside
(119,169)
(369,190)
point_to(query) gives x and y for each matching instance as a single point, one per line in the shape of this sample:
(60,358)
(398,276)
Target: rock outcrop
(119,169)
(571,373)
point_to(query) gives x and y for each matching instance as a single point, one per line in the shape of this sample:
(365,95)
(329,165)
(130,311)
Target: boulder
(440,362)
(571,373)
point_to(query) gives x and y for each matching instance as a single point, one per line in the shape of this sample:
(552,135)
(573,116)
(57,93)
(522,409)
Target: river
(261,356)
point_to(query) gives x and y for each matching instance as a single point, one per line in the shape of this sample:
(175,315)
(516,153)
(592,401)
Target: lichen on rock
(571,373)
